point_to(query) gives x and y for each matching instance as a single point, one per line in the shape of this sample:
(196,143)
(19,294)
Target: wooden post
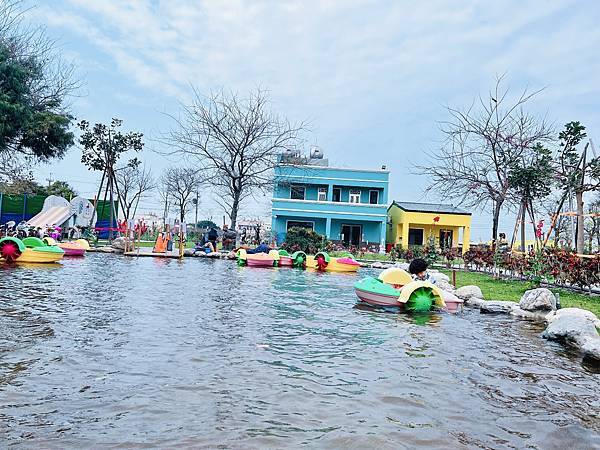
(181,237)
(454,277)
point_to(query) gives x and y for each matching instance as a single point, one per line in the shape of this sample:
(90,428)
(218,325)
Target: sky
(371,78)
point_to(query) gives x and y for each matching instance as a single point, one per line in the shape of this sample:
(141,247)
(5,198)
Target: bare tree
(181,184)
(481,145)
(236,140)
(134,183)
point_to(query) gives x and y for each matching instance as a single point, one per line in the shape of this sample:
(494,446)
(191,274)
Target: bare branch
(235,140)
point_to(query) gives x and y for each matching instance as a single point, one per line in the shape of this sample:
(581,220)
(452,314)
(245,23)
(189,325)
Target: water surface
(118,352)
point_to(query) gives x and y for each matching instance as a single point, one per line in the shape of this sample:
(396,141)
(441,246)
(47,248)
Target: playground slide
(56,215)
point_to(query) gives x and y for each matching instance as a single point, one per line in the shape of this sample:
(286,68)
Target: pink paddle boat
(72,248)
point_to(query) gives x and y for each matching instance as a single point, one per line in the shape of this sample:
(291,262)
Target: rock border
(574,327)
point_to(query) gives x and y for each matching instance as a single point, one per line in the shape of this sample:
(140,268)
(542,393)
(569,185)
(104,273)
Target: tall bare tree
(480,146)
(134,183)
(236,140)
(181,184)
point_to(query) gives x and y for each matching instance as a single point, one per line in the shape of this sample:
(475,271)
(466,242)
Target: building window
(337,194)
(374,197)
(354,195)
(297,192)
(297,224)
(322,196)
(415,236)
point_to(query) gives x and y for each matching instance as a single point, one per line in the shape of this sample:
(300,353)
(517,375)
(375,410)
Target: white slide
(56,215)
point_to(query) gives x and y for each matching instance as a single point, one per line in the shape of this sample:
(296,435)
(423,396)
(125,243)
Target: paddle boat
(29,250)
(325,263)
(272,259)
(74,248)
(296,259)
(395,287)
(257,259)
(416,296)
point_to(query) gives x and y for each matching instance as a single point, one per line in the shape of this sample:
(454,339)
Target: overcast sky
(372,78)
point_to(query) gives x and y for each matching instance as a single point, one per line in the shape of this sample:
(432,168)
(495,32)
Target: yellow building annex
(411,223)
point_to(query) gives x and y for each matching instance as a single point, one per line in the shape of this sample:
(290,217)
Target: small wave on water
(111,352)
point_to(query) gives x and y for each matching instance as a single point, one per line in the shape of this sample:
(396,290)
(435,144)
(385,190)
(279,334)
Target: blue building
(349,206)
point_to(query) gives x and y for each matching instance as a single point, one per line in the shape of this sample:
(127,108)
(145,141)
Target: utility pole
(196,222)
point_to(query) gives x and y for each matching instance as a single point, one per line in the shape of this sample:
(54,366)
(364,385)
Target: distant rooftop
(295,157)
(430,207)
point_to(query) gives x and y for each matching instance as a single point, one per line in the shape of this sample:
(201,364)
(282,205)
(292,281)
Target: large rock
(120,243)
(402,265)
(474,302)
(583,313)
(439,276)
(577,328)
(466,292)
(591,349)
(540,299)
(380,265)
(107,249)
(538,316)
(496,307)
(445,286)
(573,330)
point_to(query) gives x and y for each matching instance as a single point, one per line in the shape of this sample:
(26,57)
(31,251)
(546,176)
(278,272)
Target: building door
(351,235)
(445,238)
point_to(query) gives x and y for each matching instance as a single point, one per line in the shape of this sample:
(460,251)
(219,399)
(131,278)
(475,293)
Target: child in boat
(418,270)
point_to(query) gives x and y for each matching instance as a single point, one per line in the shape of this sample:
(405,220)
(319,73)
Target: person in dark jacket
(213,235)
(262,248)
(229,238)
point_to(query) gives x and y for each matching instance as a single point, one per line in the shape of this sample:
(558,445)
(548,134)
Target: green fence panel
(104,213)
(34,204)
(12,204)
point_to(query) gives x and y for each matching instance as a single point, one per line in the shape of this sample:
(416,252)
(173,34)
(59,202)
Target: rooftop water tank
(316,153)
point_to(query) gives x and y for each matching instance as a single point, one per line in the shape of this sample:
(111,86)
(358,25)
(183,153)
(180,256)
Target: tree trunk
(165,211)
(523,212)
(533,224)
(579,236)
(112,217)
(496,218)
(234,210)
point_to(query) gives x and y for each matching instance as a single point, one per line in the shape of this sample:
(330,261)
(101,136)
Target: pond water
(109,351)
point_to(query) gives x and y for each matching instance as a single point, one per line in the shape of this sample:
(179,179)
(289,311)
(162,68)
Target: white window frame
(322,191)
(353,194)
(374,190)
(298,186)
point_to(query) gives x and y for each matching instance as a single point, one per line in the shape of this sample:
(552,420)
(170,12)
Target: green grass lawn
(494,289)
(364,256)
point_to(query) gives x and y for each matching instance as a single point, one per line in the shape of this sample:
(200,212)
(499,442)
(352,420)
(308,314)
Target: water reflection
(113,351)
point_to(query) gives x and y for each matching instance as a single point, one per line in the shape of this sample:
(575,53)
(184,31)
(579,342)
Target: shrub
(449,255)
(305,240)
(397,252)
